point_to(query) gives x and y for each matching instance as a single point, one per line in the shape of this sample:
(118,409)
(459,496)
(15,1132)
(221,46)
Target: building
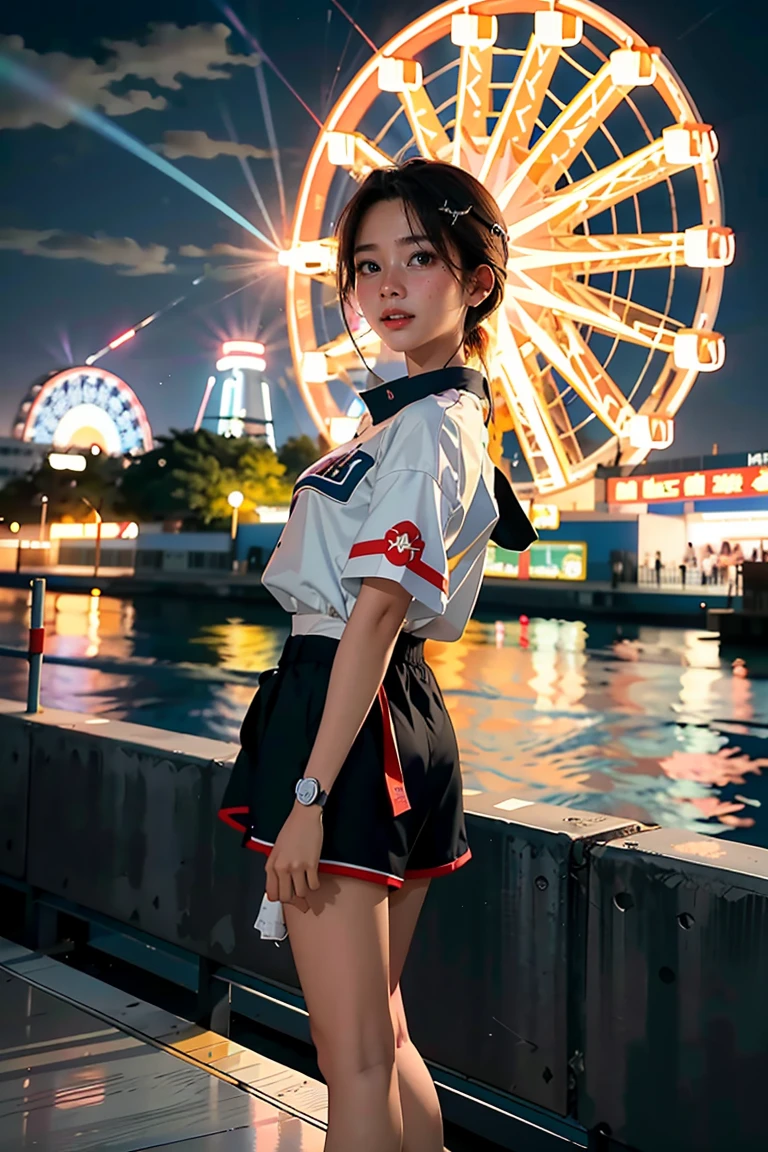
(17,458)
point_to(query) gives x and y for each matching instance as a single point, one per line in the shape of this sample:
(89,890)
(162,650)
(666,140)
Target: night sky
(92,239)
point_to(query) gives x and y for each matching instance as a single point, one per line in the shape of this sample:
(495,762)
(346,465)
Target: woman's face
(409,296)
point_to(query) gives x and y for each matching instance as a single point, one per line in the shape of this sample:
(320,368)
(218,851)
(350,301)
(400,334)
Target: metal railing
(681,576)
(36,648)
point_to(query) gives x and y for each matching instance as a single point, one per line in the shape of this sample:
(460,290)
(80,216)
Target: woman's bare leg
(341,950)
(422,1121)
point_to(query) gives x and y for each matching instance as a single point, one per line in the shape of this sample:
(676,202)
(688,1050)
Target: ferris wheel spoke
(473,98)
(621,317)
(547,387)
(572,358)
(428,132)
(355,152)
(669,392)
(539,438)
(561,142)
(341,352)
(523,104)
(613,315)
(601,190)
(577,255)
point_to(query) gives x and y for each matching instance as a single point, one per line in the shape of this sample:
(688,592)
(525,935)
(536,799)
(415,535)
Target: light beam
(34,85)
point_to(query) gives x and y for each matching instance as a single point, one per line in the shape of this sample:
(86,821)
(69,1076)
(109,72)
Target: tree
(297,454)
(189,475)
(205,479)
(67,492)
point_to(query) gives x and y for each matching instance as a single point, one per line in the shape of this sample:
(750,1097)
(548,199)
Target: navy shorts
(361,835)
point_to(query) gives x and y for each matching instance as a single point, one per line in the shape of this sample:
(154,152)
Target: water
(642,722)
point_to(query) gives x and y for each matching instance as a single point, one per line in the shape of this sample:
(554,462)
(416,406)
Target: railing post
(36,644)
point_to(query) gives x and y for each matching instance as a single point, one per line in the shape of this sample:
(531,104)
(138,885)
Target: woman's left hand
(292,863)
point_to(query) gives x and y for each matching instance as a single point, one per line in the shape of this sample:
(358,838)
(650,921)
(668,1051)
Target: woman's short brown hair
(457,215)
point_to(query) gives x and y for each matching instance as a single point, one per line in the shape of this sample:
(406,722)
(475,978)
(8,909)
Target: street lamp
(235,500)
(97,553)
(43,515)
(15,528)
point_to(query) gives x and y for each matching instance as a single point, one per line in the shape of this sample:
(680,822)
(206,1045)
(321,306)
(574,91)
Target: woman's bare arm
(358,669)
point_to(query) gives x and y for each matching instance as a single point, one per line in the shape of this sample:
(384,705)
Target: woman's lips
(395,322)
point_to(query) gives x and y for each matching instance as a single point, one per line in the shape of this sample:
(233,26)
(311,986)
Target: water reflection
(646,723)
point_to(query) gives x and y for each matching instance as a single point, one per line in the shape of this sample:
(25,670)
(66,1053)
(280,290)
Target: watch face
(307,790)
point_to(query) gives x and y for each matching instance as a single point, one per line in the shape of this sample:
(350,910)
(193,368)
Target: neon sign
(707,484)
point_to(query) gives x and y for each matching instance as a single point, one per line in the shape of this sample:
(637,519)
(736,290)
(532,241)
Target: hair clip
(455,212)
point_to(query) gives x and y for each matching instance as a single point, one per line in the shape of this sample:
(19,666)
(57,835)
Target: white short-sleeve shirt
(410,499)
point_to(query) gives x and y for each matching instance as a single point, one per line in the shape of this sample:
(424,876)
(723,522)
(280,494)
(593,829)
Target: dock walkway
(85,1067)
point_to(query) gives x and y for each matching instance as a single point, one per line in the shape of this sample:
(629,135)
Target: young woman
(349,779)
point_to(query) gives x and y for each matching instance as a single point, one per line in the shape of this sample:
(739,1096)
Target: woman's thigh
(341,951)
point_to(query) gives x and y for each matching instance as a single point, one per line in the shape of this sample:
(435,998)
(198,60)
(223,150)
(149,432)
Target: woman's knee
(344,1051)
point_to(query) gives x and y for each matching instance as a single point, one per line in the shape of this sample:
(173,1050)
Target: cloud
(130,257)
(202,147)
(199,51)
(166,53)
(252,254)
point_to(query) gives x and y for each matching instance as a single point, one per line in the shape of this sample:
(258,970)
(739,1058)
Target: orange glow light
(248,347)
(122,339)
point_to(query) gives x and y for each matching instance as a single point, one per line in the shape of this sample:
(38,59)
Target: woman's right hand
(293,862)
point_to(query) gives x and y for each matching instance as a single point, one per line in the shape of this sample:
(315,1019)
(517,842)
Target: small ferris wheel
(608,183)
(84,407)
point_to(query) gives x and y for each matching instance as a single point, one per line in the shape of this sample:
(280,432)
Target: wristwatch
(309,792)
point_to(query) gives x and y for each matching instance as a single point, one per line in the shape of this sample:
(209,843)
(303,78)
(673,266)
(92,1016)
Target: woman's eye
(422,258)
(365,267)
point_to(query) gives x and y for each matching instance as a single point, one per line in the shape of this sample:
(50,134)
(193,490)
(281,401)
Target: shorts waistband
(322,650)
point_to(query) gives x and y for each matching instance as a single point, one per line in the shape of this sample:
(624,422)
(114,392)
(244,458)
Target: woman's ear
(479,286)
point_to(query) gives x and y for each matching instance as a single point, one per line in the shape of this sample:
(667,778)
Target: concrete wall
(581,963)
(183,542)
(263,536)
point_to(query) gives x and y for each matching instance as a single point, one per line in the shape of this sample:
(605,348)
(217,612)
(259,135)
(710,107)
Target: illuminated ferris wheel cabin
(82,408)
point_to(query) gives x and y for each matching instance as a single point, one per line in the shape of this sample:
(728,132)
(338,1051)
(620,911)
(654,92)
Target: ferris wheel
(607,180)
(84,407)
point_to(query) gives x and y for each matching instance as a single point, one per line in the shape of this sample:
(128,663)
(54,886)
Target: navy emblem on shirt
(336,478)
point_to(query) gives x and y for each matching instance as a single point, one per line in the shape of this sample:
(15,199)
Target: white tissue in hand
(270,921)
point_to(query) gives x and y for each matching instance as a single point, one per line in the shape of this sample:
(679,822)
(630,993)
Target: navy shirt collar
(513,530)
(387,399)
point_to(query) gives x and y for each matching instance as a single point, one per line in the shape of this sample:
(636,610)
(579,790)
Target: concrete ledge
(584,964)
(14,791)
(676,1029)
